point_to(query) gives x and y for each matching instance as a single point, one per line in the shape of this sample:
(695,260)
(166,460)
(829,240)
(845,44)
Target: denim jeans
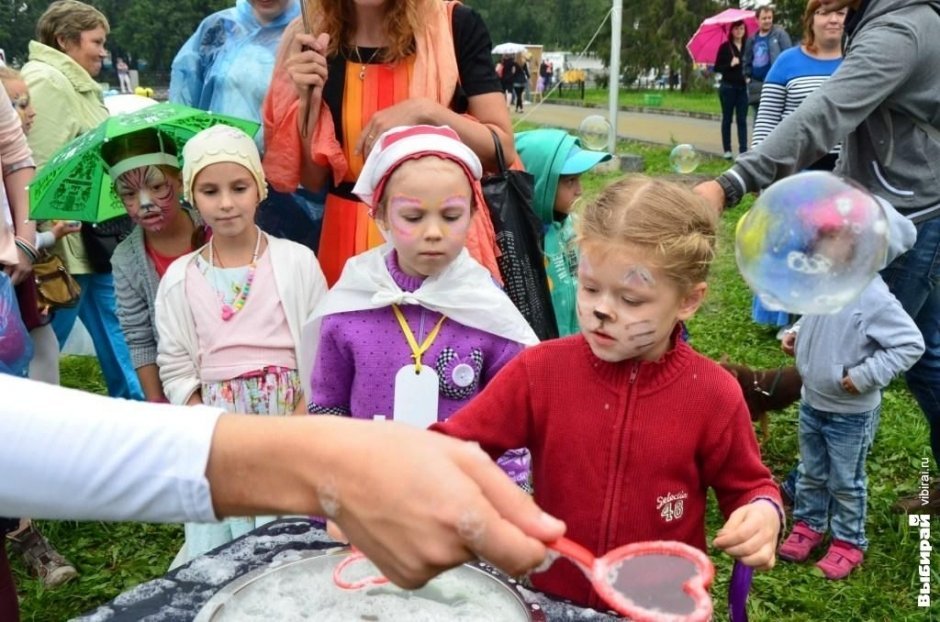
(97,308)
(914,279)
(832,480)
(733,101)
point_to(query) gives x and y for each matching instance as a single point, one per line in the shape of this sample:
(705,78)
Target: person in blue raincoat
(225,67)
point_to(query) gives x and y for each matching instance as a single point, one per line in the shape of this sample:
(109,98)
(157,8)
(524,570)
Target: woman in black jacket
(733,89)
(520,77)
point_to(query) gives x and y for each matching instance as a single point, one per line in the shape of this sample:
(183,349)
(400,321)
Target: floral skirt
(271,391)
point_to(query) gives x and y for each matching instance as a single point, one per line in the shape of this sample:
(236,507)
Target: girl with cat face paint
(145,170)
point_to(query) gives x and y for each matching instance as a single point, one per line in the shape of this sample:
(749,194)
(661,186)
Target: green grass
(114,557)
(110,557)
(706,103)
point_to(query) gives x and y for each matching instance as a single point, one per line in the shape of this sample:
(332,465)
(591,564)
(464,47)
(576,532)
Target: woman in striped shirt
(798,72)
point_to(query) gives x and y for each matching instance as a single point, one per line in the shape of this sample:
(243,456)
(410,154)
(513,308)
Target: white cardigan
(300,285)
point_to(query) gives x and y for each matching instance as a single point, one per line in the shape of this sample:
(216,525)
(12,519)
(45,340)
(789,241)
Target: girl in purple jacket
(415,328)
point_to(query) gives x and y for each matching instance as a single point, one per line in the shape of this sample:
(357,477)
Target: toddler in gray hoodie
(845,359)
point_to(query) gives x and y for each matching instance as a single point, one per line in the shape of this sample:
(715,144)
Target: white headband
(408,142)
(146,159)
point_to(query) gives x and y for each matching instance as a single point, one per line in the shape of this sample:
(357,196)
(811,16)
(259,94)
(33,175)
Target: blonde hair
(8,73)
(402,20)
(671,224)
(68,19)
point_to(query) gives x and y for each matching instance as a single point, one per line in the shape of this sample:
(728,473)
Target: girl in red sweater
(628,426)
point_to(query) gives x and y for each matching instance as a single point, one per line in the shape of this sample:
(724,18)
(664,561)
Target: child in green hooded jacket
(557,161)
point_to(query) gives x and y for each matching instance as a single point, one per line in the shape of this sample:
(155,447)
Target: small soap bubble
(684,159)
(594,131)
(811,243)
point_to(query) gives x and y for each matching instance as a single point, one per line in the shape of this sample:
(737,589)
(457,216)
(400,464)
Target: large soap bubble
(684,159)
(594,131)
(811,243)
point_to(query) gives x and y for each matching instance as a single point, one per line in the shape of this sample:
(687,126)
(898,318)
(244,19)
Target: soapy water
(210,571)
(305,591)
(654,582)
(144,591)
(555,610)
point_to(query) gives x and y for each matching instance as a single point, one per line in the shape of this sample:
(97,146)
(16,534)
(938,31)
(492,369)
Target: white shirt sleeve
(67,454)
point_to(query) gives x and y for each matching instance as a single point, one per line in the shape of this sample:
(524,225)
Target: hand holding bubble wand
(661,581)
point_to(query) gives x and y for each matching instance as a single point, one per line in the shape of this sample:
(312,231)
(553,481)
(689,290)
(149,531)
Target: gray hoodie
(883,103)
(871,340)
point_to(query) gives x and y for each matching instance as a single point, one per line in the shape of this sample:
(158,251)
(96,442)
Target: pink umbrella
(704,44)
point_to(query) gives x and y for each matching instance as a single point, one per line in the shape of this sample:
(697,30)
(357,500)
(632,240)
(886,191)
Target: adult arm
(409,510)
(864,80)
(18,171)
(723,59)
(785,41)
(15,184)
(748,57)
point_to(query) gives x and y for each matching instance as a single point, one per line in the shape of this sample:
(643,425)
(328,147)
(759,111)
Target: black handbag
(508,195)
(100,240)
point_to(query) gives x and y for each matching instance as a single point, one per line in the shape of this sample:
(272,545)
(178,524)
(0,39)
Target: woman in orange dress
(367,66)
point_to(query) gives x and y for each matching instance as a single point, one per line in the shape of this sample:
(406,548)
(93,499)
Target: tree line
(148,30)
(654,31)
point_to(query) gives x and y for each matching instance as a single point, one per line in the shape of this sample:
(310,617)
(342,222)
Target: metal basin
(302,589)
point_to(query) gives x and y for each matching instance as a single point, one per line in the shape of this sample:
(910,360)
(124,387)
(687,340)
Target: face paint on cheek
(450,207)
(156,196)
(397,222)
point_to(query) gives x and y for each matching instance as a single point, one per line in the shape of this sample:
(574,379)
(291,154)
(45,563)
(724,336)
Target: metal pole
(616,20)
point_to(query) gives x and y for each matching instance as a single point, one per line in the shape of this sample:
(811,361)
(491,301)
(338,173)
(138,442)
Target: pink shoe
(800,543)
(840,560)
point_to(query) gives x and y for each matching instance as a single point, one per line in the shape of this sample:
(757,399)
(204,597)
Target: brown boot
(41,559)
(920,504)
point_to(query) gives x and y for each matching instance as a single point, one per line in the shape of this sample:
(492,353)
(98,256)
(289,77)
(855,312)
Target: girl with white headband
(145,169)
(229,315)
(415,328)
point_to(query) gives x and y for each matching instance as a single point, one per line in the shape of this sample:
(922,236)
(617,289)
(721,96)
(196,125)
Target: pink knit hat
(400,144)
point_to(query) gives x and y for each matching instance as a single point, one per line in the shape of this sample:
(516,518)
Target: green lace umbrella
(75,185)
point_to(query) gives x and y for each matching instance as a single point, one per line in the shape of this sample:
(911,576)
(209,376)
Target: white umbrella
(509,48)
(127,102)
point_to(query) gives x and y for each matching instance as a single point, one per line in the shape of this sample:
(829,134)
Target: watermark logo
(924,549)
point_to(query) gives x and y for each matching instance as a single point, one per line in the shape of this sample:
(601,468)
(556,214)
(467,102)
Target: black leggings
(518,91)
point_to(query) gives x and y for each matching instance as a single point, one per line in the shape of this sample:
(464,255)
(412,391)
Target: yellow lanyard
(416,350)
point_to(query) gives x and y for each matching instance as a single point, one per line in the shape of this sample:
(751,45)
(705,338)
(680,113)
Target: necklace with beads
(362,65)
(241,292)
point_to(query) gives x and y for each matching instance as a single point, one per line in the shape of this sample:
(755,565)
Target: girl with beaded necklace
(229,315)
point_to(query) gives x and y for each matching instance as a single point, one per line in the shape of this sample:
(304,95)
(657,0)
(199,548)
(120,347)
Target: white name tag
(416,396)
